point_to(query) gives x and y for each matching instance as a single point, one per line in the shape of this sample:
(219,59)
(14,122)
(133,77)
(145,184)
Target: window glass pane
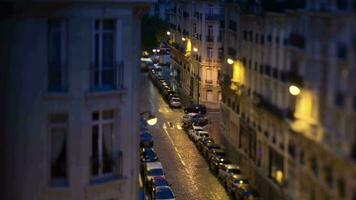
(108,114)
(95,116)
(107,76)
(107,148)
(95,150)
(108,24)
(108,50)
(96,48)
(58,118)
(58,153)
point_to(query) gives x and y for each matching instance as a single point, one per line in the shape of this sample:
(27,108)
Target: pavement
(184,166)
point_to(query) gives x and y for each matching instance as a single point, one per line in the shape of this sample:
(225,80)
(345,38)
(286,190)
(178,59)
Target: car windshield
(234,171)
(220,153)
(155,172)
(240,181)
(149,154)
(160,182)
(198,129)
(164,194)
(204,134)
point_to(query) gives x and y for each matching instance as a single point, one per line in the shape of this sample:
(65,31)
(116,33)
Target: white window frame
(100,123)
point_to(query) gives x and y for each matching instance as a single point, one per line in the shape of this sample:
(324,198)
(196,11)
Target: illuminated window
(209,95)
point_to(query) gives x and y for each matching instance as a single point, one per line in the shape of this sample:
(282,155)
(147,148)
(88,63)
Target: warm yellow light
(230,61)
(279,176)
(241,182)
(168,33)
(195,49)
(294,90)
(154,50)
(183,39)
(152,121)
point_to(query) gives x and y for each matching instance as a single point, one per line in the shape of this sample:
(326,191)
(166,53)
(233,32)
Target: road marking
(175,148)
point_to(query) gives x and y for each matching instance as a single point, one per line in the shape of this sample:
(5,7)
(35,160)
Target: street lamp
(294,90)
(183,39)
(195,49)
(158,50)
(154,50)
(230,61)
(168,33)
(151,119)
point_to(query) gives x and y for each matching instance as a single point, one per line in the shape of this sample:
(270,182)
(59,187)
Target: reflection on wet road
(185,168)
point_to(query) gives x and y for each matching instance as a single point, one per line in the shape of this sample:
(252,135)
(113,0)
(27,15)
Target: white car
(153,169)
(228,170)
(175,102)
(192,131)
(200,134)
(163,193)
(188,117)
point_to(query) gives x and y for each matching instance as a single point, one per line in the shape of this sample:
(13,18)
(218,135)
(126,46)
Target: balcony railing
(210,38)
(296,40)
(108,167)
(212,17)
(107,78)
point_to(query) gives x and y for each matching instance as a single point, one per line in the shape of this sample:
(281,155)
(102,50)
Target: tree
(153,31)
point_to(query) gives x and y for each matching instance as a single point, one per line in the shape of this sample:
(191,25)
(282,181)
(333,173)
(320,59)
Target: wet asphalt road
(185,168)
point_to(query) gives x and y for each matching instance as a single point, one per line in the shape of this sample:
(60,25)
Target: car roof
(239,176)
(163,188)
(147,149)
(154,165)
(232,166)
(203,132)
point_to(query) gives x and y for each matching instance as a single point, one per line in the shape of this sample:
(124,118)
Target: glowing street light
(195,49)
(230,61)
(158,50)
(154,50)
(294,90)
(183,39)
(151,119)
(168,33)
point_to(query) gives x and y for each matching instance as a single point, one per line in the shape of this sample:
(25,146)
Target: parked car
(199,134)
(146,140)
(148,155)
(192,131)
(156,182)
(203,142)
(235,182)
(195,108)
(228,170)
(208,147)
(175,102)
(216,162)
(245,193)
(153,169)
(164,193)
(216,152)
(193,117)
(202,123)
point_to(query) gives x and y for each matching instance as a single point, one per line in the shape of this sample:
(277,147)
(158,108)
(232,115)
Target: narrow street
(185,168)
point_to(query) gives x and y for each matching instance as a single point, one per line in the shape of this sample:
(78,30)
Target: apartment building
(288,98)
(69,103)
(196,49)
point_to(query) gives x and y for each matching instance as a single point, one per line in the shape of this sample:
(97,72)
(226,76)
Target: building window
(262,39)
(102,157)
(103,71)
(328,176)
(58,131)
(314,166)
(339,99)
(209,76)
(276,166)
(209,95)
(219,96)
(210,31)
(342,51)
(210,53)
(57,44)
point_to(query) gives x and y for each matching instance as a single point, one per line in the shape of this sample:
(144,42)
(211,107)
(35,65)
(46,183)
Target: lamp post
(151,119)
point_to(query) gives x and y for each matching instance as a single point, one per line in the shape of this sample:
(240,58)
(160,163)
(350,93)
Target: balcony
(296,40)
(212,17)
(210,38)
(267,105)
(106,169)
(107,78)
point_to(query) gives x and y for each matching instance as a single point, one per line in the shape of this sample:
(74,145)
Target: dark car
(163,192)
(216,152)
(156,182)
(208,147)
(148,155)
(217,162)
(195,108)
(203,142)
(146,140)
(246,193)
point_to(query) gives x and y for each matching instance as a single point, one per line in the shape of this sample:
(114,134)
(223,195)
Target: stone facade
(293,146)
(70,103)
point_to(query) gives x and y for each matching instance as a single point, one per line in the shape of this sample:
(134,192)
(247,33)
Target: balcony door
(104,69)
